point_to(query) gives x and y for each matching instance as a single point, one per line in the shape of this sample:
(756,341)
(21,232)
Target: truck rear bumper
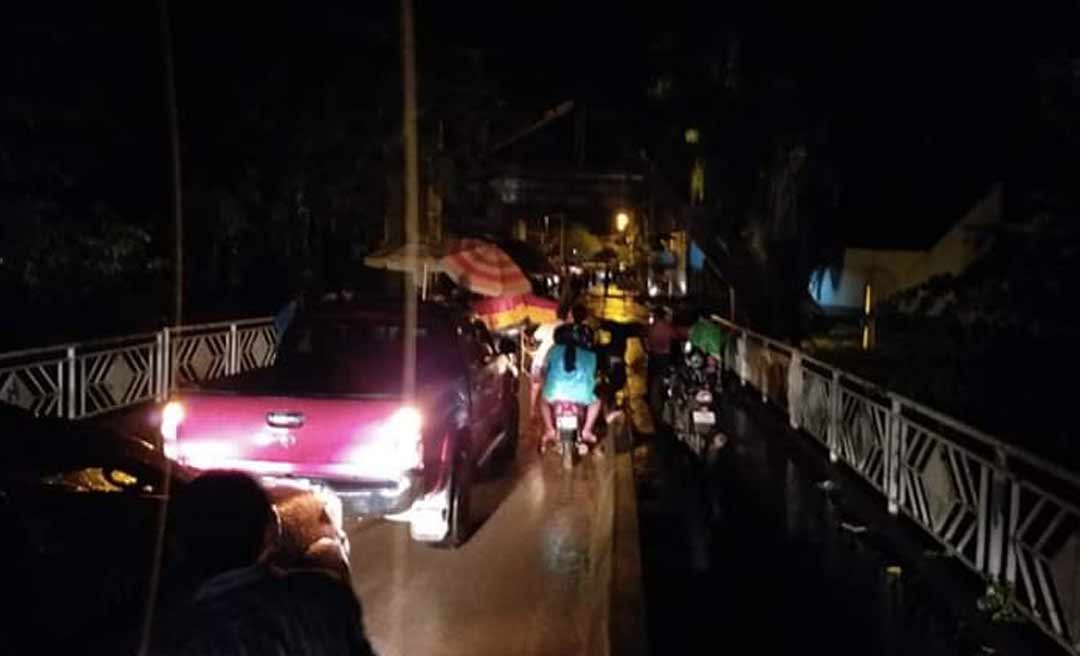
(373,496)
(382,498)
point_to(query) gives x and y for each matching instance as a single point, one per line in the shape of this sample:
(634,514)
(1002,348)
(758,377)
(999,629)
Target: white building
(888,271)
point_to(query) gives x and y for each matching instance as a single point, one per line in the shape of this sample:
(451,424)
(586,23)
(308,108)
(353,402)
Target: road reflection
(749,553)
(752,552)
(533,578)
(630,318)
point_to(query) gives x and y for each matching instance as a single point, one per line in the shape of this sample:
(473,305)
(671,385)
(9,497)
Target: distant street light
(868,336)
(622,221)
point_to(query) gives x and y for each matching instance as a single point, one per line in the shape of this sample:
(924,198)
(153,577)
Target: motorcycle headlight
(703,396)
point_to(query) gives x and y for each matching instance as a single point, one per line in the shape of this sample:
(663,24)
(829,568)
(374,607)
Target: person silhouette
(225,528)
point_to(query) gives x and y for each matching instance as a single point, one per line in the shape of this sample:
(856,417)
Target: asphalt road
(534,578)
(754,553)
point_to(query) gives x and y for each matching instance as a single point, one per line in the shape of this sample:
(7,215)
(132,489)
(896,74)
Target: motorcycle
(571,390)
(611,367)
(692,405)
(569,418)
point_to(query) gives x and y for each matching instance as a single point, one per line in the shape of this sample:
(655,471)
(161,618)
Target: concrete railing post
(60,403)
(766,363)
(892,457)
(835,408)
(159,367)
(742,356)
(1001,559)
(233,350)
(72,391)
(794,390)
(167,369)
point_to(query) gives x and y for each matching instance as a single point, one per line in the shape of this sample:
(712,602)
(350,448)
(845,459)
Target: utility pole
(562,240)
(412,193)
(562,253)
(174,147)
(178,300)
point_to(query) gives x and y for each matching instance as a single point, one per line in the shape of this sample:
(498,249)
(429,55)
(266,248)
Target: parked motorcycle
(611,368)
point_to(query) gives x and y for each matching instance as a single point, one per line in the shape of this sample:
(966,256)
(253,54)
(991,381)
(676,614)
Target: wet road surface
(752,555)
(758,558)
(534,578)
(756,555)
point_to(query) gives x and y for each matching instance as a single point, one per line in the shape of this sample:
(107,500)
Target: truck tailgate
(298,436)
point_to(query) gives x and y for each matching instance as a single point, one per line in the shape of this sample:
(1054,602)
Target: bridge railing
(84,379)
(1007,514)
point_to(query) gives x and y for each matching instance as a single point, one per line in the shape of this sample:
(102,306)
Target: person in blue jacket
(571,375)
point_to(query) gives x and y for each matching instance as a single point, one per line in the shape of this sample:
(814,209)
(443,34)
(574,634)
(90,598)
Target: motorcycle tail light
(563,409)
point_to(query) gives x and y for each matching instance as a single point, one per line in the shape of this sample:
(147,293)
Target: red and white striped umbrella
(484,268)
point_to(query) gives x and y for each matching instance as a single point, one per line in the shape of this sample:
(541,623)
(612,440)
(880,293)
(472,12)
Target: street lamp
(622,220)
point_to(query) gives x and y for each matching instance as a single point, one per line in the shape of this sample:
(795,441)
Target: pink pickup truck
(332,412)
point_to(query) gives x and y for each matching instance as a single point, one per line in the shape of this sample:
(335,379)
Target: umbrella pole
(423,284)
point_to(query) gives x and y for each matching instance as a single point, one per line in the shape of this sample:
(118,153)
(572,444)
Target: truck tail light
(171,418)
(404,432)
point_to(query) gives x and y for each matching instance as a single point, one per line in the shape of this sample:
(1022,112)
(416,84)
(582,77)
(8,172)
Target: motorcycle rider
(662,332)
(692,371)
(563,360)
(543,336)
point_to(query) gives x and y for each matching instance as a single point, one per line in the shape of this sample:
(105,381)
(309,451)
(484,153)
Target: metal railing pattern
(1007,514)
(84,379)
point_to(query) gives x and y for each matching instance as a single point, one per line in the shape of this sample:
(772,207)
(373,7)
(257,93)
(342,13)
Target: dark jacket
(578,335)
(262,610)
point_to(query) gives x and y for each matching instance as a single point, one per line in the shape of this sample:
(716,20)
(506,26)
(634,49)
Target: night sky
(925,104)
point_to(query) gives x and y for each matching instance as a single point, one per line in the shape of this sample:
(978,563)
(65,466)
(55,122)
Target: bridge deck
(758,553)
